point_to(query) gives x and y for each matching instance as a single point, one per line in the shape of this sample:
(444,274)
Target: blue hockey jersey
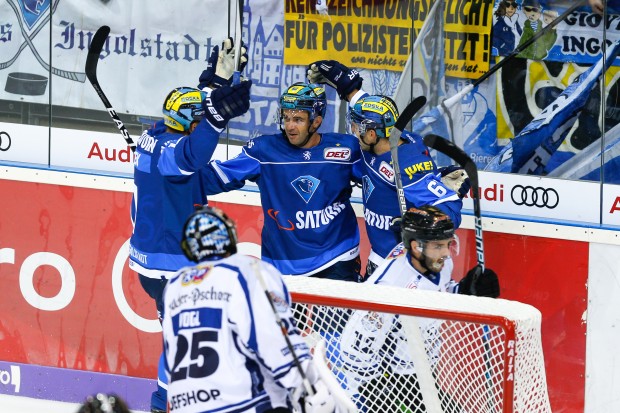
(421,185)
(309,223)
(165,193)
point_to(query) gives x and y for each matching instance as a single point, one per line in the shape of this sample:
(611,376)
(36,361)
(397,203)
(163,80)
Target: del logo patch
(339,154)
(386,170)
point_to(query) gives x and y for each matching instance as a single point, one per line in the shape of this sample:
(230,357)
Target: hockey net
(402,350)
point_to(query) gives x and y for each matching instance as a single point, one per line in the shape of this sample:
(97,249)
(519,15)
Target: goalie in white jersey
(374,349)
(224,350)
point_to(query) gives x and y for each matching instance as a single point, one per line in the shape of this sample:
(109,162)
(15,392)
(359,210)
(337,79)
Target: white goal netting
(407,351)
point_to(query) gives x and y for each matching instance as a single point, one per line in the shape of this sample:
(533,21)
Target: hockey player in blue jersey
(225,351)
(167,186)
(372,119)
(304,176)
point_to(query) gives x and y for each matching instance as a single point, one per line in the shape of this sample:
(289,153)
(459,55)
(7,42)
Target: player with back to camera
(224,350)
(372,119)
(304,176)
(422,261)
(167,185)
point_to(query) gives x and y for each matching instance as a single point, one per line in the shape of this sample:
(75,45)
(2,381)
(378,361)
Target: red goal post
(406,350)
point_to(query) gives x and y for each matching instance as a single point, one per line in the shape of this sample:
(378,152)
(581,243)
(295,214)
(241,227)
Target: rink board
(70,301)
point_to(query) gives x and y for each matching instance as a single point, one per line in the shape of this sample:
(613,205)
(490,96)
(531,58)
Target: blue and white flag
(530,151)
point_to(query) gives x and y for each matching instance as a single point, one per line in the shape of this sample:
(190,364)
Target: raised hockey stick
(96,46)
(304,378)
(238,41)
(454,152)
(405,117)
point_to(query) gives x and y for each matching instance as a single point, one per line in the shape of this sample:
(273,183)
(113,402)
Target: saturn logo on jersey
(273,214)
(306,186)
(339,154)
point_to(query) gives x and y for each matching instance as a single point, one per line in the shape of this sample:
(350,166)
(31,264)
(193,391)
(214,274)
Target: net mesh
(400,350)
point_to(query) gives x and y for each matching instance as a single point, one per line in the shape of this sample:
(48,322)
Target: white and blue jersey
(309,223)
(224,350)
(166,191)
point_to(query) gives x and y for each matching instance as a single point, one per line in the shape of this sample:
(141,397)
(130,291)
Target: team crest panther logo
(306,186)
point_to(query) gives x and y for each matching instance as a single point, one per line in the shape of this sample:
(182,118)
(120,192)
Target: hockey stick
(238,41)
(96,46)
(454,152)
(405,117)
(304,378)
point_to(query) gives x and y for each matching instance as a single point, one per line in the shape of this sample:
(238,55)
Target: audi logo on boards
(535,196)
(5,141)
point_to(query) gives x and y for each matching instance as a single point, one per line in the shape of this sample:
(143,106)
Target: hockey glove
(335,74)
(221,65)
(226,102)
(455,178)
(479,283)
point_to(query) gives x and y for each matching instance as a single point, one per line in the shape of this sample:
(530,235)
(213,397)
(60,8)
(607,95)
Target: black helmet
(427,223)
(104,403)
(209,233)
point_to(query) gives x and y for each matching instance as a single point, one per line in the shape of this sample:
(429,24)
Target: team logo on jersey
(396,252)
(367,187)
(306,186)
(386,170)
(194,275)
(339,154)
(307,155)
(279,302)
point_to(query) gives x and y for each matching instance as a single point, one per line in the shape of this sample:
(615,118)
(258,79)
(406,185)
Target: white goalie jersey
(224,351)
(373,342)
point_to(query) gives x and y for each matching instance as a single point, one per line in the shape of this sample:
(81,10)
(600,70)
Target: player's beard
(434,265)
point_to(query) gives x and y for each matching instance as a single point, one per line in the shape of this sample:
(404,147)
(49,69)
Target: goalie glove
(221,65)
(479,283)
(225,103)
(455,178)
(335,74)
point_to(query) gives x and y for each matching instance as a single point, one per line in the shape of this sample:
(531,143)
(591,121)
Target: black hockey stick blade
(454,152)
(406,115)
(96,46)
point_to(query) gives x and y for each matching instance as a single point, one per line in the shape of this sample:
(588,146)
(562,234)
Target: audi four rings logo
(5,141)
(535,196)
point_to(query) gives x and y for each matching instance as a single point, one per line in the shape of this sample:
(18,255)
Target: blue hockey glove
(455,178)
(221,65)
(479,283)
(335,74)
(227,102)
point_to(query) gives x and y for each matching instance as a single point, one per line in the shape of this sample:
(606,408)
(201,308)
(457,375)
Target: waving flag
(530,151)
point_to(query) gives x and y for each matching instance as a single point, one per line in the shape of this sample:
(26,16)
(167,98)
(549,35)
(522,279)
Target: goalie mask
(304,96)
(209,234)
(378,113)
(182,107)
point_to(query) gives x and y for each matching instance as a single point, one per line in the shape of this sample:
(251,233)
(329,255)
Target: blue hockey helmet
(427,223)
(310,97)
(209,234)
(375,112)
(182,107)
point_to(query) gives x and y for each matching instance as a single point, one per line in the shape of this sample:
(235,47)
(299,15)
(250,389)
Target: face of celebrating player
(366,138)
(299,130)
(432,255)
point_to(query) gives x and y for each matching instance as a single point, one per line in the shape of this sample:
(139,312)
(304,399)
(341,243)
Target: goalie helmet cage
(405,350)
